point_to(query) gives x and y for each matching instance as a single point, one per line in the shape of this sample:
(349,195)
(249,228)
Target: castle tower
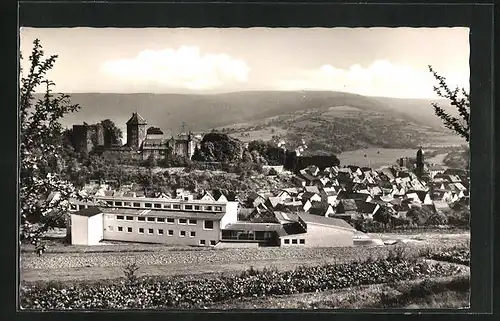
(136,131)
(419,163)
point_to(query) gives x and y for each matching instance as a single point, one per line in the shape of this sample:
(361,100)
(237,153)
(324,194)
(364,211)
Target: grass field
(68,263)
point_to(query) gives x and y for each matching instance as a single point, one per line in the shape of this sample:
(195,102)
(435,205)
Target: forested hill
(203,112)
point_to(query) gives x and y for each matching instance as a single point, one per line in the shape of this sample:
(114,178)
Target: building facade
(151,220)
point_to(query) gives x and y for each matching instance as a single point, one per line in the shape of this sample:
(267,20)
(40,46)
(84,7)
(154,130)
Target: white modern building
(151,220)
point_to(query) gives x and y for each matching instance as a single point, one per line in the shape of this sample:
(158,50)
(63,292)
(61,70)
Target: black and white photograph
(244,168)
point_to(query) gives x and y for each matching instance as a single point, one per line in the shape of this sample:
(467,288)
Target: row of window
(295,241)
(141,230)
(207,224)
(166,206)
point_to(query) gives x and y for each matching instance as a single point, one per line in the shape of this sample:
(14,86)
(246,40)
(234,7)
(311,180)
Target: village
(340,200)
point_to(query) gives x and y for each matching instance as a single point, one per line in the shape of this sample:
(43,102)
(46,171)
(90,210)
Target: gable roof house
(441,195)
(321,208)
(255,199)
(219,196)
(207,196)
(422,197)
(272,202)
(299,181)
(346,206)
(356,170)
(310,196)
(312,189)
(388,173)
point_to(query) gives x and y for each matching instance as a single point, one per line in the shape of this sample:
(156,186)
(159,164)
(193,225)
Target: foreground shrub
(148,293)
(459,256)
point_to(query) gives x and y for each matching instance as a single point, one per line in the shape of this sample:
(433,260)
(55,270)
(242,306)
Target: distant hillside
(203,112)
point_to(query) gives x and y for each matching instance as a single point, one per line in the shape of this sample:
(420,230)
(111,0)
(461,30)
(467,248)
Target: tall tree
(459,98)
(40,149)
(112,134)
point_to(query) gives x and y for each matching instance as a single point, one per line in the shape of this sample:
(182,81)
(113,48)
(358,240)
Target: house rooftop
(89,212)
(136,119)
(334,222)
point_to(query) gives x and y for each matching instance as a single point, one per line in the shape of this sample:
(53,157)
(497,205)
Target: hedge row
(453,256)
(149,294)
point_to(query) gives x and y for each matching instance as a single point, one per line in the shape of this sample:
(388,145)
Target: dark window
(157,205)
(127,204)
(118,203)
(208,208)
(176,206)
(160,232)
(137,204)
(120,217)
(160,219)
(170,220)
(302,241)
(192,222)
(150,231)
(149,205)
(129,229)
(294,241)
(170,232)
(120,229)
(287,241)
(141,230)
(192,233)
(109,202)
(142,219)
(197,207)
(202,242)
(188,207)
(167,206)
(212,242)
(151,219)
(209,225)
(182,221)
(130,218)
(182,233)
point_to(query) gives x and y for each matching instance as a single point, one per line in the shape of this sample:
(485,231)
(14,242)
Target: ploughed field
(69,263)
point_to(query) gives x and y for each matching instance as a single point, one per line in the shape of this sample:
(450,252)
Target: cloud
(381,78)
(185,68)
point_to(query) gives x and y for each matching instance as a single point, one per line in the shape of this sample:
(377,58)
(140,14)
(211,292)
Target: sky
(389,62)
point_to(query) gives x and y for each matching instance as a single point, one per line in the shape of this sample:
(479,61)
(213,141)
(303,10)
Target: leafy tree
(41,147)
(112,134)
(459,98)
(154,131)
(151,161)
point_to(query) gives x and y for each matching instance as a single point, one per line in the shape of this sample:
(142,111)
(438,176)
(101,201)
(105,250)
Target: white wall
(79,230)
(326,236)
(200,232)
(95,229)
(231,215)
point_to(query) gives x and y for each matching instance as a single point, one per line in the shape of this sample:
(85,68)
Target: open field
(375,157)
(66,263)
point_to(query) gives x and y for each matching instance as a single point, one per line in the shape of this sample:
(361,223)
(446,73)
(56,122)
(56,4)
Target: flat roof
(244,226)
(161,213)
(160,200)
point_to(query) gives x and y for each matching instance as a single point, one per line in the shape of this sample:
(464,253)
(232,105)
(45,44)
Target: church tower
(136,131)
(419,163)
